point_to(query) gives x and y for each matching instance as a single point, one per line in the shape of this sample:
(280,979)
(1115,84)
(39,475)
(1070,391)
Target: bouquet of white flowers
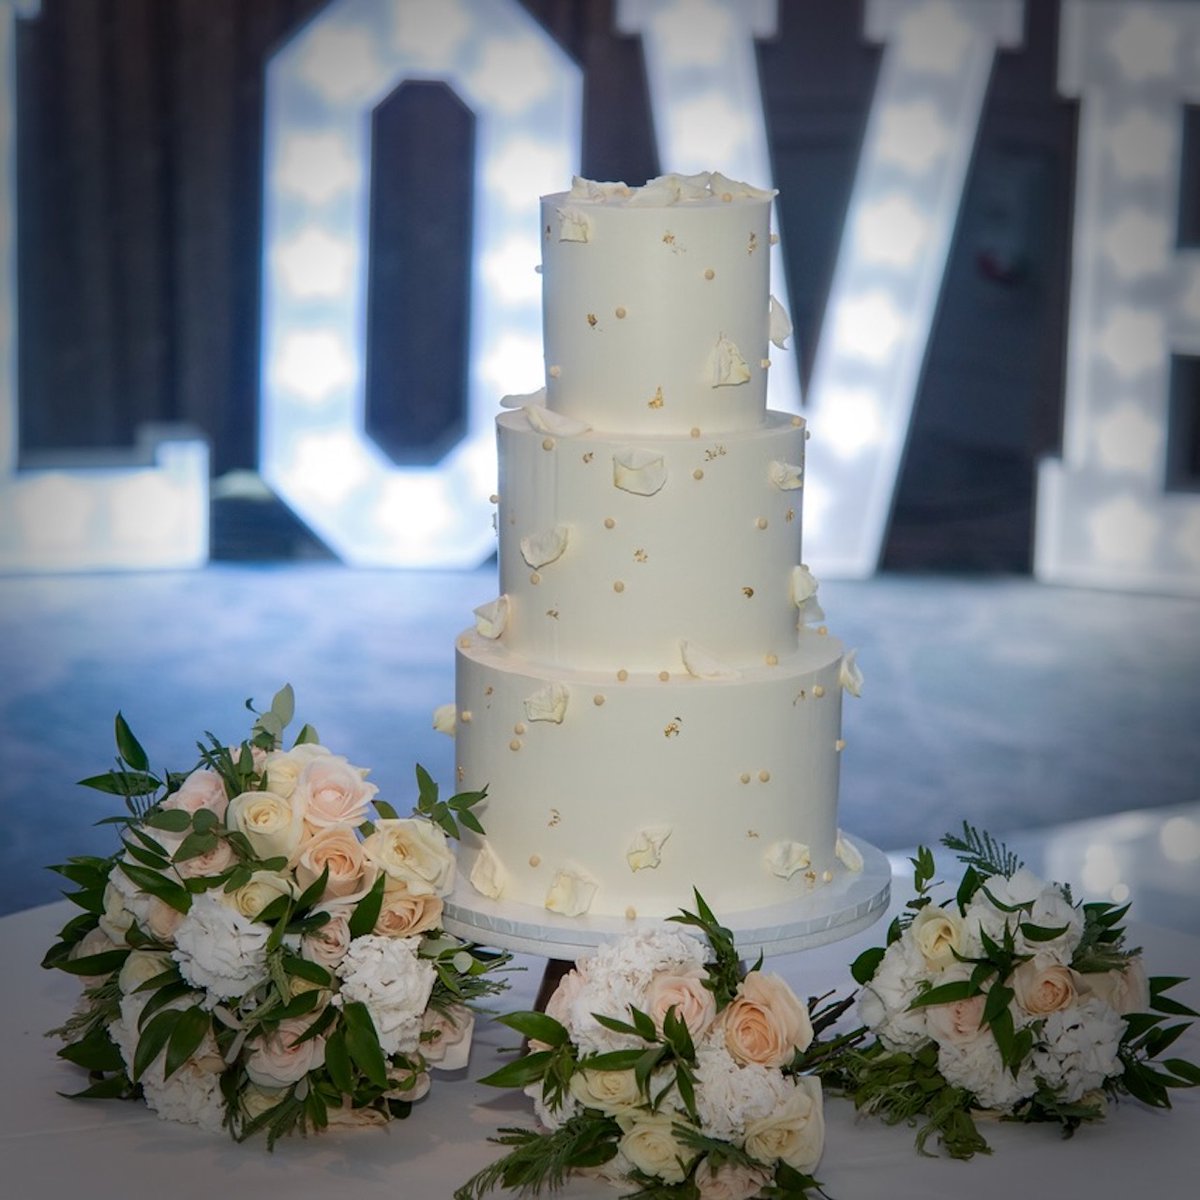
(662,1065)
(263,950)
(1007,998)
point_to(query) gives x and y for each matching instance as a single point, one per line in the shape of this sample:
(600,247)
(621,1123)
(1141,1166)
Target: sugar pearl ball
(745,776)
(772,660)
(514,744)
(519,727)
(597,699)
(631,913)
(664,675)
(618,586)
(547,443)
(535,578)
(695,431)
(535,860)
(609,523)
(818,691)
(466,716)
(620,313)
(622,674)
(697,474)
(761,522)
(710,274)
(764,776)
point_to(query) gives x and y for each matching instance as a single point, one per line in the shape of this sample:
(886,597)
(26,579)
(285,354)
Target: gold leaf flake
(656,401)
(591,320)
(555,817)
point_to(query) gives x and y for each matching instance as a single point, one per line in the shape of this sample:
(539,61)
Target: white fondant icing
(645,852)
(850,674)
(491,618)
(571,892)
(727,367)
(488,875)
(786,858)
(541,549)
(445,716)
(722,185)
(547,704)
(779,324)
(641,472)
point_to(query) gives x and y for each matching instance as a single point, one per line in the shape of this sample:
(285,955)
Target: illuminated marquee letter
(920,133)
(151,511)
(1103,516)
(321,87)
(707,104)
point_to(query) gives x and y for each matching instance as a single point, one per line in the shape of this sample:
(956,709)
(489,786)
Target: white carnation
(192,1095)
(1049,908)
(385,974)
(976,1066)
(883,1003)
(220,950)
(1079,1047)
(729,1095)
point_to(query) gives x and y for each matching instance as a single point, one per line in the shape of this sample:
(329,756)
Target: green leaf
(123,783)
(129,747)
(173,820)
(537,1027)
(427,789)
(363,1043)
(1186,1071)
(186,1037)
(154,1037)
(946,993)
(616,1060)
(314,891)
(310,972)
(385,810)
(520,1073)
(195,845)
(1042,933)
(306,736)
(366,911)
(283,705)
(167,890)
(103,963)
(866,964)
(337,1062)
(95,1052)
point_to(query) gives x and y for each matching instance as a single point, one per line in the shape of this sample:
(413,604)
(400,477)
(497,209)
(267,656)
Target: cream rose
(339,851)
(938,933)
(264,888)
(684,991)
(140,967)
(279,1058)
(403,914)
(333,792)
(412,851)
(1043,988)
(1125,991)
(446,1037)
(765,1024)
(611,1092)
(730,1181)
(327,944)
(650,1144)
(794,1131)
(273,825)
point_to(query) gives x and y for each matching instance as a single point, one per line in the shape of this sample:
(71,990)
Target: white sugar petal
(491,618)
(641,472)
(547,704)
(545,420)
(645,851)
(850,674)
(488,875)
(786,858)
(804,585)
(779,324)
(703,664)
(541,549)
(726,366)
(573,225)
(445,718)
(722,185)
(786,476)
(521,399)
(848,853)
(571,892)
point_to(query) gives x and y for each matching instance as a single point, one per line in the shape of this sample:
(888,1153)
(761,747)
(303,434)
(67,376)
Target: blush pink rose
(327,944)
(765,1024)
(730,1181)
(1126,991)
(334,792)
(404,915)
(956,1023)
(339,851)
(446,1037)
(213,862)
(684,991)
(1042,989)
(201,789)
(278,1058)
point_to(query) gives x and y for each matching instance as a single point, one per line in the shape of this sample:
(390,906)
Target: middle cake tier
(616,550)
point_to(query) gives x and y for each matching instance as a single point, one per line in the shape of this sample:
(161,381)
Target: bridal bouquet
(662,1066)
(1007,998)
(263,951)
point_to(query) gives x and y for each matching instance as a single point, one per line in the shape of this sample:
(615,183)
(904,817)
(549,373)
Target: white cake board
(836,910)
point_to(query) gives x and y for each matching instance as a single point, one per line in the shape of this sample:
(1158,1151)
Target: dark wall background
(139,208)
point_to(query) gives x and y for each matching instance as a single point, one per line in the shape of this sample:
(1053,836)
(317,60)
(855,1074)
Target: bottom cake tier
(618,794)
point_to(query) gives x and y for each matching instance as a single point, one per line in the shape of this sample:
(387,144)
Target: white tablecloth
(53,1148)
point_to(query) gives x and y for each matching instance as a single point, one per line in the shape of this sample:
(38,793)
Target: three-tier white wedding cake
(652,700)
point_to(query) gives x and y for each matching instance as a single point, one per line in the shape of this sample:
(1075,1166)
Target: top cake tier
(656,309)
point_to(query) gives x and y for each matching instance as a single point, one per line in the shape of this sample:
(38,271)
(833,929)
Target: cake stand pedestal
(836,910)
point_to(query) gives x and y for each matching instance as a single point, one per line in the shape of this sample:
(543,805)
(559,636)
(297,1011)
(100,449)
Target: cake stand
(850,902)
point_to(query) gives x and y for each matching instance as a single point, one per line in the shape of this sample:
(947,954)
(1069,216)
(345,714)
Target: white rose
(939,934)
(611,1092)
(729,1095)
(282,767)
(795,1131)
(650,1144)
(273,825)
(263,888)
(414,851)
